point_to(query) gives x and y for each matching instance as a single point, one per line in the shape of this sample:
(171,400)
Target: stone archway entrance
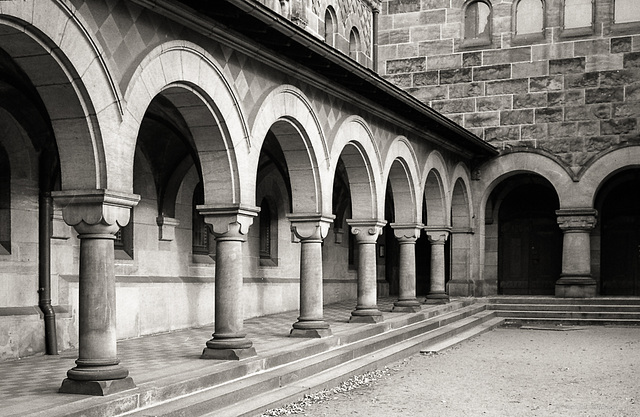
(620,244)
(529,242)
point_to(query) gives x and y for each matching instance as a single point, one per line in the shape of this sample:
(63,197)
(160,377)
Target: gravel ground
(588,371)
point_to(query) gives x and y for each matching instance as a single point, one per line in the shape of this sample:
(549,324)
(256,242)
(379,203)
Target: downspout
(376,12)
(45,208)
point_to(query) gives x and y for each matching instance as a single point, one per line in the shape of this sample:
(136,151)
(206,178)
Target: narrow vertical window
(578,14)
(477,21)
(626,11)
(265,230)
(354,43)
(329,27)
(529,17)
(199,230)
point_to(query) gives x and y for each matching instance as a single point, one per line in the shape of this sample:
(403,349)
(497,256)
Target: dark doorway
(620,244)
(529,242)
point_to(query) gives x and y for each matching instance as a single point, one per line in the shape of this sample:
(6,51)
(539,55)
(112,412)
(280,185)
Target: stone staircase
(281,377)
(518,311)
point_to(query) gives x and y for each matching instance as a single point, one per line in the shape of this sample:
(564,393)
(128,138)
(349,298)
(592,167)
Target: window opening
(477,21)
(529,17)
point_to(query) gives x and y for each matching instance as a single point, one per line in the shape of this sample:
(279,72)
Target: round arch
(354,143)
(400,170)
(287,112)
(85,124)
(436,190)
(188,76)
(601,170)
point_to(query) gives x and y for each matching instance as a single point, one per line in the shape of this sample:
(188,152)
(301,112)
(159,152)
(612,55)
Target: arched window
(477,21)
(529,17)
(626,11)
(354,43)
(199,230)
(578,14)
(329,26)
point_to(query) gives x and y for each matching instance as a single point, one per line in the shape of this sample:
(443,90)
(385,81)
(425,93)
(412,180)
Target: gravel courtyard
(587,371)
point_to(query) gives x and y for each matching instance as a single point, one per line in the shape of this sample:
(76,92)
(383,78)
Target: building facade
(553,85)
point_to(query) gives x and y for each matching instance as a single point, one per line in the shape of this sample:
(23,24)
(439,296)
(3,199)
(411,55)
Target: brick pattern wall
(574,96)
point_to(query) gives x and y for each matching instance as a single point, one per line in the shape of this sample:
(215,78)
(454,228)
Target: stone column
(311,229)
(229,226)
(576,280)
(96,215)
(407,234)
(366,233)
(437,237)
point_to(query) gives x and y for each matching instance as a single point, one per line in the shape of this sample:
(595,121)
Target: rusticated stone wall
(572,93)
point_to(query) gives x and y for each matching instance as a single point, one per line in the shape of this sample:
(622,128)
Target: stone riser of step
(228,394)
(623,301)
(559,323)
(599,308)
(576,315)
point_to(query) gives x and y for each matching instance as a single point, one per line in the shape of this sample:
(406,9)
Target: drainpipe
(376,12)
(45,208)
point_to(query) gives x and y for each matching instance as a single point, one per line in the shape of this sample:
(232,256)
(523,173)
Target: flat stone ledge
(98,388)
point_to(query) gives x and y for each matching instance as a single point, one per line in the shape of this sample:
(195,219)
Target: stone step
(610,308)
(489,323)
(566,322)
(552,300)
(312,372)
(625,317)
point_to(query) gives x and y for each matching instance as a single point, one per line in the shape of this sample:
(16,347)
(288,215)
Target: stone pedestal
(229,227)
(366,233)
(310,229)
(407,234)
(96,215)
(437,292)
(576,279)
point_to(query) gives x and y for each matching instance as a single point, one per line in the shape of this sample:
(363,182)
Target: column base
(437,298)
(310,329)
(100,388)
(576,287)
(366,315)
(406,306)
(228,354)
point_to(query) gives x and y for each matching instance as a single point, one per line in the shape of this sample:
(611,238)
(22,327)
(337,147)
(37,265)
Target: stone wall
(574,93)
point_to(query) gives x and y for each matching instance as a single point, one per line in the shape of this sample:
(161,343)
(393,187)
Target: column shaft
(437,292)
(576,279)
(407,234)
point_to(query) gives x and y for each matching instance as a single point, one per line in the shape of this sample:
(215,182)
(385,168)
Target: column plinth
(310,229)
(366,233)
(96,215)
(437,291)
(575,279)
(229,226)
(407,234)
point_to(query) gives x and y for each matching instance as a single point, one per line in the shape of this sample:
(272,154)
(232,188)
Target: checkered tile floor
(31,384)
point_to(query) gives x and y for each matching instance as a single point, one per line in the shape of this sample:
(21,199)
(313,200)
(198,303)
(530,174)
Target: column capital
(437,235)
(95,211)
(228,221)
(576,219)
(366,230)
(406,232)
(310,226)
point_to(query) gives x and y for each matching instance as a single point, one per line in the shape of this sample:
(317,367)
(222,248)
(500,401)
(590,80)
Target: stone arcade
(173,164)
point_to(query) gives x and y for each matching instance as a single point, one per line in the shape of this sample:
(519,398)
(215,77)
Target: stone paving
(30,385)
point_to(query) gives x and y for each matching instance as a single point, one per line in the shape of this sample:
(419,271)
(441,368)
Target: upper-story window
(199,230)
(529,17)
(578,14)
(626,11)
(354,43)
(265,230)
(477,21)
(329,26)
